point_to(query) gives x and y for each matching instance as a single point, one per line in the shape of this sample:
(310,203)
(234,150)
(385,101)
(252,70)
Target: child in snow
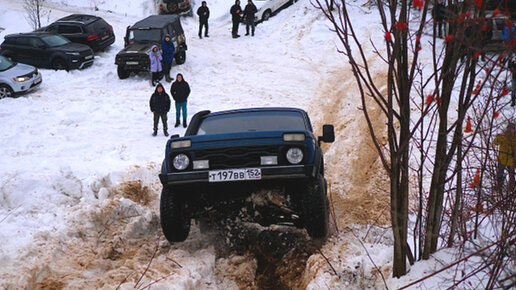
(155,64)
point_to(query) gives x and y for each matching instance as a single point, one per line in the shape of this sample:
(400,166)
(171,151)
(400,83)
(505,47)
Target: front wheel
(175,222)
(122,73)
(180,57)
(315,209)
(59,64)
(266,15)
(5,91)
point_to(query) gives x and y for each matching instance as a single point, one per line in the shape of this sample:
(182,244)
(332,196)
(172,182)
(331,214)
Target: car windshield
(6,63)
(252,122)
(55,40)
(145,35)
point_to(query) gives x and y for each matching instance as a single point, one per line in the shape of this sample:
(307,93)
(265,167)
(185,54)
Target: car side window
(52,29)
(35,42)
(24,41)
(69,29)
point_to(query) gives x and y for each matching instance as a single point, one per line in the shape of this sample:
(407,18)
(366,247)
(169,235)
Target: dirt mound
(135,191)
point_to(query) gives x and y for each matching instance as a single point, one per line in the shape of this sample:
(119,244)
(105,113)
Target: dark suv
(86,29)
(142,36)
(226,156)
(46,50)
(179,7)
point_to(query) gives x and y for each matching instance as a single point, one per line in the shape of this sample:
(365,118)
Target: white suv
(17,77)
(267,7)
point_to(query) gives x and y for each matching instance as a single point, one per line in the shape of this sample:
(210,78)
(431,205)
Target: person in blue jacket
(168,48)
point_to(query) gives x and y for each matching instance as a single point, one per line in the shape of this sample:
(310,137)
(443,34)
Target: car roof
(79,18)
(158,21)
(246,110)
(34,33)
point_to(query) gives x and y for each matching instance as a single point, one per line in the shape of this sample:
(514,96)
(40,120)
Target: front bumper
(268,173)
(81,62)
(22,87)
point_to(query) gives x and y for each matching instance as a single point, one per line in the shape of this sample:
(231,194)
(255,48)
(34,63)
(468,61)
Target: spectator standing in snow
(506,156)
(235,17)
(439,13)
(180,91)
(168,55)
(160,105)
(249,11)
(155,64)
(204,14)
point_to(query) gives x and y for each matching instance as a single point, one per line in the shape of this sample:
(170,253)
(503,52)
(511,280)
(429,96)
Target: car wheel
(180,58)
(59,64)
(175,222)
(266,15)
(5,91)
(315,209)
(122,73)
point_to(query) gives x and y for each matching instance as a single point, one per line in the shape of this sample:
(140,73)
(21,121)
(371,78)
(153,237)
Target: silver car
(17,78)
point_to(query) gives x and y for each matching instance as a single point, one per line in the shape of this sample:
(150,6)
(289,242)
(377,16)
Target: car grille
(222,158)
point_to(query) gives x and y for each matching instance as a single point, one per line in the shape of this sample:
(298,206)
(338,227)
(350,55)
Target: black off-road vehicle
(142,36)
(179,7)
(226,157)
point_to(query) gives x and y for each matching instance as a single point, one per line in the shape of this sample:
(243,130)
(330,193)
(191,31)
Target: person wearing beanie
(204,14)
(168,55)
(180,91)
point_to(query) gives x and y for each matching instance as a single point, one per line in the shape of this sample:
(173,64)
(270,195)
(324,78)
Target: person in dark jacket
(249,12)
(160,105)
(168,49)
(204,14)
(235,17)
(180,91)
(512,66)
(439,14)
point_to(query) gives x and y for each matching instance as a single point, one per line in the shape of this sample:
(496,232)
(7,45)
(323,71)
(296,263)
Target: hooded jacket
(249,11)
(168,49)
(159,102)
(155,61)
(180,90)
(235,12)
(203,18)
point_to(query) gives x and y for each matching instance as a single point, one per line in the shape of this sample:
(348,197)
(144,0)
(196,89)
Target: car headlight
(21,79)
(294,137)
(180,144)
(181,162)
(72,53)
(294,155)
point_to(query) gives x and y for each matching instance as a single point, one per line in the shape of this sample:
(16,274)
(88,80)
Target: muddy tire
(122,73)
(175,223)
(315,209)
(180,57)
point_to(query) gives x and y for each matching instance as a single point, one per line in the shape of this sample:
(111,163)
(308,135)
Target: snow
(79,193)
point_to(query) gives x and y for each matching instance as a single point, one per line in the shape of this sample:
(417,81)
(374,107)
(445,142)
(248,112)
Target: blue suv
(226,156)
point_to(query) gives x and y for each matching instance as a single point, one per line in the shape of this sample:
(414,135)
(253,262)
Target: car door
(22,50)
(73,32)
(39,53)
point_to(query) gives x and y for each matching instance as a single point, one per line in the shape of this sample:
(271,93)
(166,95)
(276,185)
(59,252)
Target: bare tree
(33,8)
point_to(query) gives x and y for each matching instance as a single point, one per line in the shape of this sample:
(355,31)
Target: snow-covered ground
(78,174)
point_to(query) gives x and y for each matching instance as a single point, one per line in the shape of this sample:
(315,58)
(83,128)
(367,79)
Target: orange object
(476,180)
(468,126)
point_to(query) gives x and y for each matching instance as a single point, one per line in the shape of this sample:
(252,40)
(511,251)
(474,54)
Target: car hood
(138,48)
(74,47)
(18,70)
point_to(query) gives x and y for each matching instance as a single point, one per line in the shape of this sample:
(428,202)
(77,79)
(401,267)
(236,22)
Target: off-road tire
(175,222)
(6,92)
(180,57)
(315,209)
(59,64)
(122,73)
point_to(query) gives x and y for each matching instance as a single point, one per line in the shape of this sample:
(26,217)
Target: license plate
(235,175)
(132,63)
(105,37)
(88,57)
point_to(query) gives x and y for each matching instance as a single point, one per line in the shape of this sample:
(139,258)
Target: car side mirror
(126,37)
(174,136)
(328,134)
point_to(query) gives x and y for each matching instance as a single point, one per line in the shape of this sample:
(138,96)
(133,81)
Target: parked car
(267,8)
(46,50)
(17,78)
(142,36)
(86,29)
(226,156)
(179,7)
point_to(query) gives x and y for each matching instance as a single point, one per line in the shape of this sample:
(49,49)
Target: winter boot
(155,132)
(165,132)
(184,124)
(167,78)
(177,124)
